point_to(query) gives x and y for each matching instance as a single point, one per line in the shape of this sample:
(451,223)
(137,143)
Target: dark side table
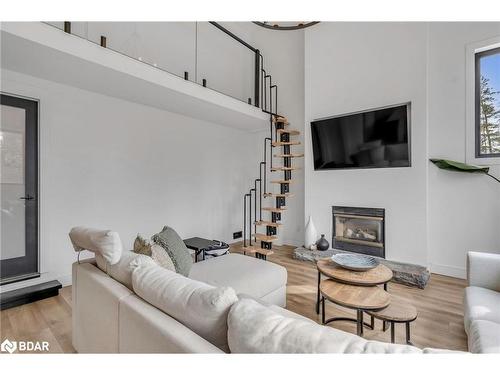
(199,245)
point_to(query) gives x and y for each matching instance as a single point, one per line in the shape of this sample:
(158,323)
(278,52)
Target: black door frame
(26,267)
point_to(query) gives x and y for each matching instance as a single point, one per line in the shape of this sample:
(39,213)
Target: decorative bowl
(355,262)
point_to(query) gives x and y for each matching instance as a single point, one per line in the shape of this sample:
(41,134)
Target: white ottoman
(257,278)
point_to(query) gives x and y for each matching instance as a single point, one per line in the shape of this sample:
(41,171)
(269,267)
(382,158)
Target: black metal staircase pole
(270,94)
(270,156)
(260,193)
(245,220)
(262,74)
(257,79)
(250,216)
(275,98)
(265,89)
(255,207)
(263,163)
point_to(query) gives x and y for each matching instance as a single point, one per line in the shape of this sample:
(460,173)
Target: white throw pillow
(104,242)
(199,306)
(253,328)
(122,271)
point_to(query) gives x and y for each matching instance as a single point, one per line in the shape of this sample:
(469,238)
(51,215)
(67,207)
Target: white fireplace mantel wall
(433,217)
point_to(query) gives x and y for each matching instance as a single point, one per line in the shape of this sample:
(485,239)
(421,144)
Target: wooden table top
(399,310)
(353,296)
(378,275)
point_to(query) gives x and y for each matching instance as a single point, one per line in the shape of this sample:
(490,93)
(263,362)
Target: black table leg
(317,297)
(408,338)
(393,333)
(385,287)
(323,310)
(384,325)
(359,318)
(372,322)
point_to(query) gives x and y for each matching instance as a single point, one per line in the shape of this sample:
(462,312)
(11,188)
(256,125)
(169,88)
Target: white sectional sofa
(109,317)
(482,302)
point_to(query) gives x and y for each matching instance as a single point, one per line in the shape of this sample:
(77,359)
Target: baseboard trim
(452,271)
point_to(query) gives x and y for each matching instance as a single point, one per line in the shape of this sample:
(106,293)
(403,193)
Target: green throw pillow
(176,249)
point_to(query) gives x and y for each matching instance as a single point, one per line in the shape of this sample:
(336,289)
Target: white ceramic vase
(311,234)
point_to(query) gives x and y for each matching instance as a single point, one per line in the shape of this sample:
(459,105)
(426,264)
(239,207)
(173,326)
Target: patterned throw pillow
(142,246)
(176,249)
(161,257)
(157,253)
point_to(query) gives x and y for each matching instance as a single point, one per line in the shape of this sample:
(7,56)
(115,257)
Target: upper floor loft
(197,69)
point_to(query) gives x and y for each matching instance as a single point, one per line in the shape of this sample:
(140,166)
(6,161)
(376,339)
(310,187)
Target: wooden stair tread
(263,237)
(285,195)
(291,143)
(280,119)
(289,156)
(282,182)
(255,249)
(267,223)
(276,169)
(291,132)
(274,209)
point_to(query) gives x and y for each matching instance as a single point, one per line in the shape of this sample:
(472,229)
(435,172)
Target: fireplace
(359,230)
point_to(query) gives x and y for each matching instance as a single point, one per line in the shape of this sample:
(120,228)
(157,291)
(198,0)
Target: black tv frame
(408,124)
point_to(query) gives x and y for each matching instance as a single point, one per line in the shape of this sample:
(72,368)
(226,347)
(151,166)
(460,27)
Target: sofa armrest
(483,270)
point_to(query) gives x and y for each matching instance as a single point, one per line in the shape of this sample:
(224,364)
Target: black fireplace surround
(359,230)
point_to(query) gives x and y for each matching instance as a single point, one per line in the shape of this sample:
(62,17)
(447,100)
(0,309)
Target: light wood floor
(439,323)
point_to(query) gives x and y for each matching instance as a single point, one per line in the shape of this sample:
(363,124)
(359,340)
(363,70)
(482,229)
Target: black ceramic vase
(322,243)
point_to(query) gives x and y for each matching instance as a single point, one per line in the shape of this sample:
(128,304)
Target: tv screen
(370,139)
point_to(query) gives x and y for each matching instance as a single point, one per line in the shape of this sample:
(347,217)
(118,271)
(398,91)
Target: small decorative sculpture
(322,243)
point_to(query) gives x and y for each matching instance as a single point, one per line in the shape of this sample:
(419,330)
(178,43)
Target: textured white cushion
(253,328)
(244,274)
(122,271)
(481,304)
(104,242)
(484,337)
(200,307)
(161,257)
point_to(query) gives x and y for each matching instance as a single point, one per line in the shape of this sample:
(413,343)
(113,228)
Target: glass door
(18,188)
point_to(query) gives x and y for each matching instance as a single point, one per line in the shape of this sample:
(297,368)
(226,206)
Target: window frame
(470,99)
(477,110)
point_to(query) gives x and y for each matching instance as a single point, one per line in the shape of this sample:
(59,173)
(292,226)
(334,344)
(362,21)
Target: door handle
(28,198)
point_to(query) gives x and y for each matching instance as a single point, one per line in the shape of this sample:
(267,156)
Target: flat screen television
(378,138)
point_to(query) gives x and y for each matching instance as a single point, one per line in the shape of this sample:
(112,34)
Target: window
(487,103)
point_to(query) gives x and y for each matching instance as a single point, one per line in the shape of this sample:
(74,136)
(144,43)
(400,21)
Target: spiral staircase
(259,231)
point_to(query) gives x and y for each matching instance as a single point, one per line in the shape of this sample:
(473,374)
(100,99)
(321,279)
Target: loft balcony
(44,51)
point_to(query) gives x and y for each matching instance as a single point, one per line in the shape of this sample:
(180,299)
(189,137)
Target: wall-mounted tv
(377,138)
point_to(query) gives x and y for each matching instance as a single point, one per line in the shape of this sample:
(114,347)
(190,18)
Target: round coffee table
(376,276)
(359,298)
(399,311)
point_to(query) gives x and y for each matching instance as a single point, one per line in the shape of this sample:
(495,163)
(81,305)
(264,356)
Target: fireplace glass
(359,230)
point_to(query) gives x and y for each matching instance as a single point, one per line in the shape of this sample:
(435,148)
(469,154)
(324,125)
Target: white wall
(356,66)
(433,217)
(464,210)
(109,163)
